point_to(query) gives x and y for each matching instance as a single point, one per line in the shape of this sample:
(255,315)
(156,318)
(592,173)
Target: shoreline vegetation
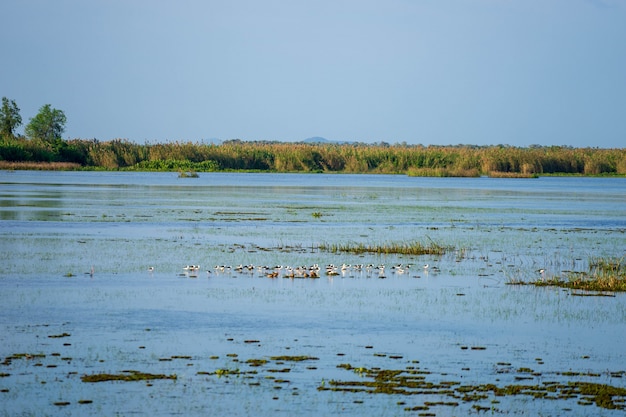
(499,161)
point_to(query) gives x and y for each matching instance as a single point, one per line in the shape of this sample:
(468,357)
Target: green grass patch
(403,248)
(605,275)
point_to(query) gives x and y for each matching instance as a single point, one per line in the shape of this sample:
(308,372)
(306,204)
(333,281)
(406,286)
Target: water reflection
(26,205)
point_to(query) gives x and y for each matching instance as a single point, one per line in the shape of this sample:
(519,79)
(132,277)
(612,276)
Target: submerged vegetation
(413,381)
(380,158)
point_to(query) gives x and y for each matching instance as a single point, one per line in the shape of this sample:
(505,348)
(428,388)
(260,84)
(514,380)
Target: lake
(94,282)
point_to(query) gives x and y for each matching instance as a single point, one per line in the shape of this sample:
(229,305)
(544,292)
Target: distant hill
(212,141)
(319,139)
(316,139)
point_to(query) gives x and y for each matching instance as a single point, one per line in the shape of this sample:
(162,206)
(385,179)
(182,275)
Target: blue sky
(518,72)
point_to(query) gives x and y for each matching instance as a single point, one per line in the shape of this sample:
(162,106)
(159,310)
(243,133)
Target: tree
(9,117)
(48,125)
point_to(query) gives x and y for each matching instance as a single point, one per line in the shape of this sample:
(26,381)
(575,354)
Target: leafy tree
(48,125)
(9,117)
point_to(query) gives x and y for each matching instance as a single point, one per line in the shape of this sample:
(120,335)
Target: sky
(431,72)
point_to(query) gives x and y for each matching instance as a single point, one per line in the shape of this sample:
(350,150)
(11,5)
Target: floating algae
(126,376)
(411,382)
(58,336)
(293,358)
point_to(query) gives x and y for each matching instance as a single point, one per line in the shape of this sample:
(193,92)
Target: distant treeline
(382,158)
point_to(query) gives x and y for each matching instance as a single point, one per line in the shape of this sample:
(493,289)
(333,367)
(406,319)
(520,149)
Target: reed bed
(443,172)
(604,275)
(608,266)
(407,248)
(380,158)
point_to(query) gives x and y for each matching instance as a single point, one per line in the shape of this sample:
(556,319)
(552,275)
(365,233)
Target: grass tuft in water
(408,248)
(604,275)
(126,376)
(293,358)
(58,336)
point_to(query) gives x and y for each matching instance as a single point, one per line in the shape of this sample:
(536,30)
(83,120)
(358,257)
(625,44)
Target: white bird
(381,272)
(191,267)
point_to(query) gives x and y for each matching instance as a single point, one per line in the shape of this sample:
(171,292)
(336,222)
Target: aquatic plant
(411,382)
(58,336)
(225,372)
(256,362)
(126,376)
(8,360)
(604,275)
(285,358)
(611,266)
(442,172)
(408,248)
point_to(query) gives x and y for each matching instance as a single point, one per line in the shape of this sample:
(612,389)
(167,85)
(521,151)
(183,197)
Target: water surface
(457,321)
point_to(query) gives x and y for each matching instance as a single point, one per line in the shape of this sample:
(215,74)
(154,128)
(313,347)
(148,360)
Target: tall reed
(237,155)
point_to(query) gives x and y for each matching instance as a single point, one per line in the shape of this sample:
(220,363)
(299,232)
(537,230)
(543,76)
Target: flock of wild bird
(312,271)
